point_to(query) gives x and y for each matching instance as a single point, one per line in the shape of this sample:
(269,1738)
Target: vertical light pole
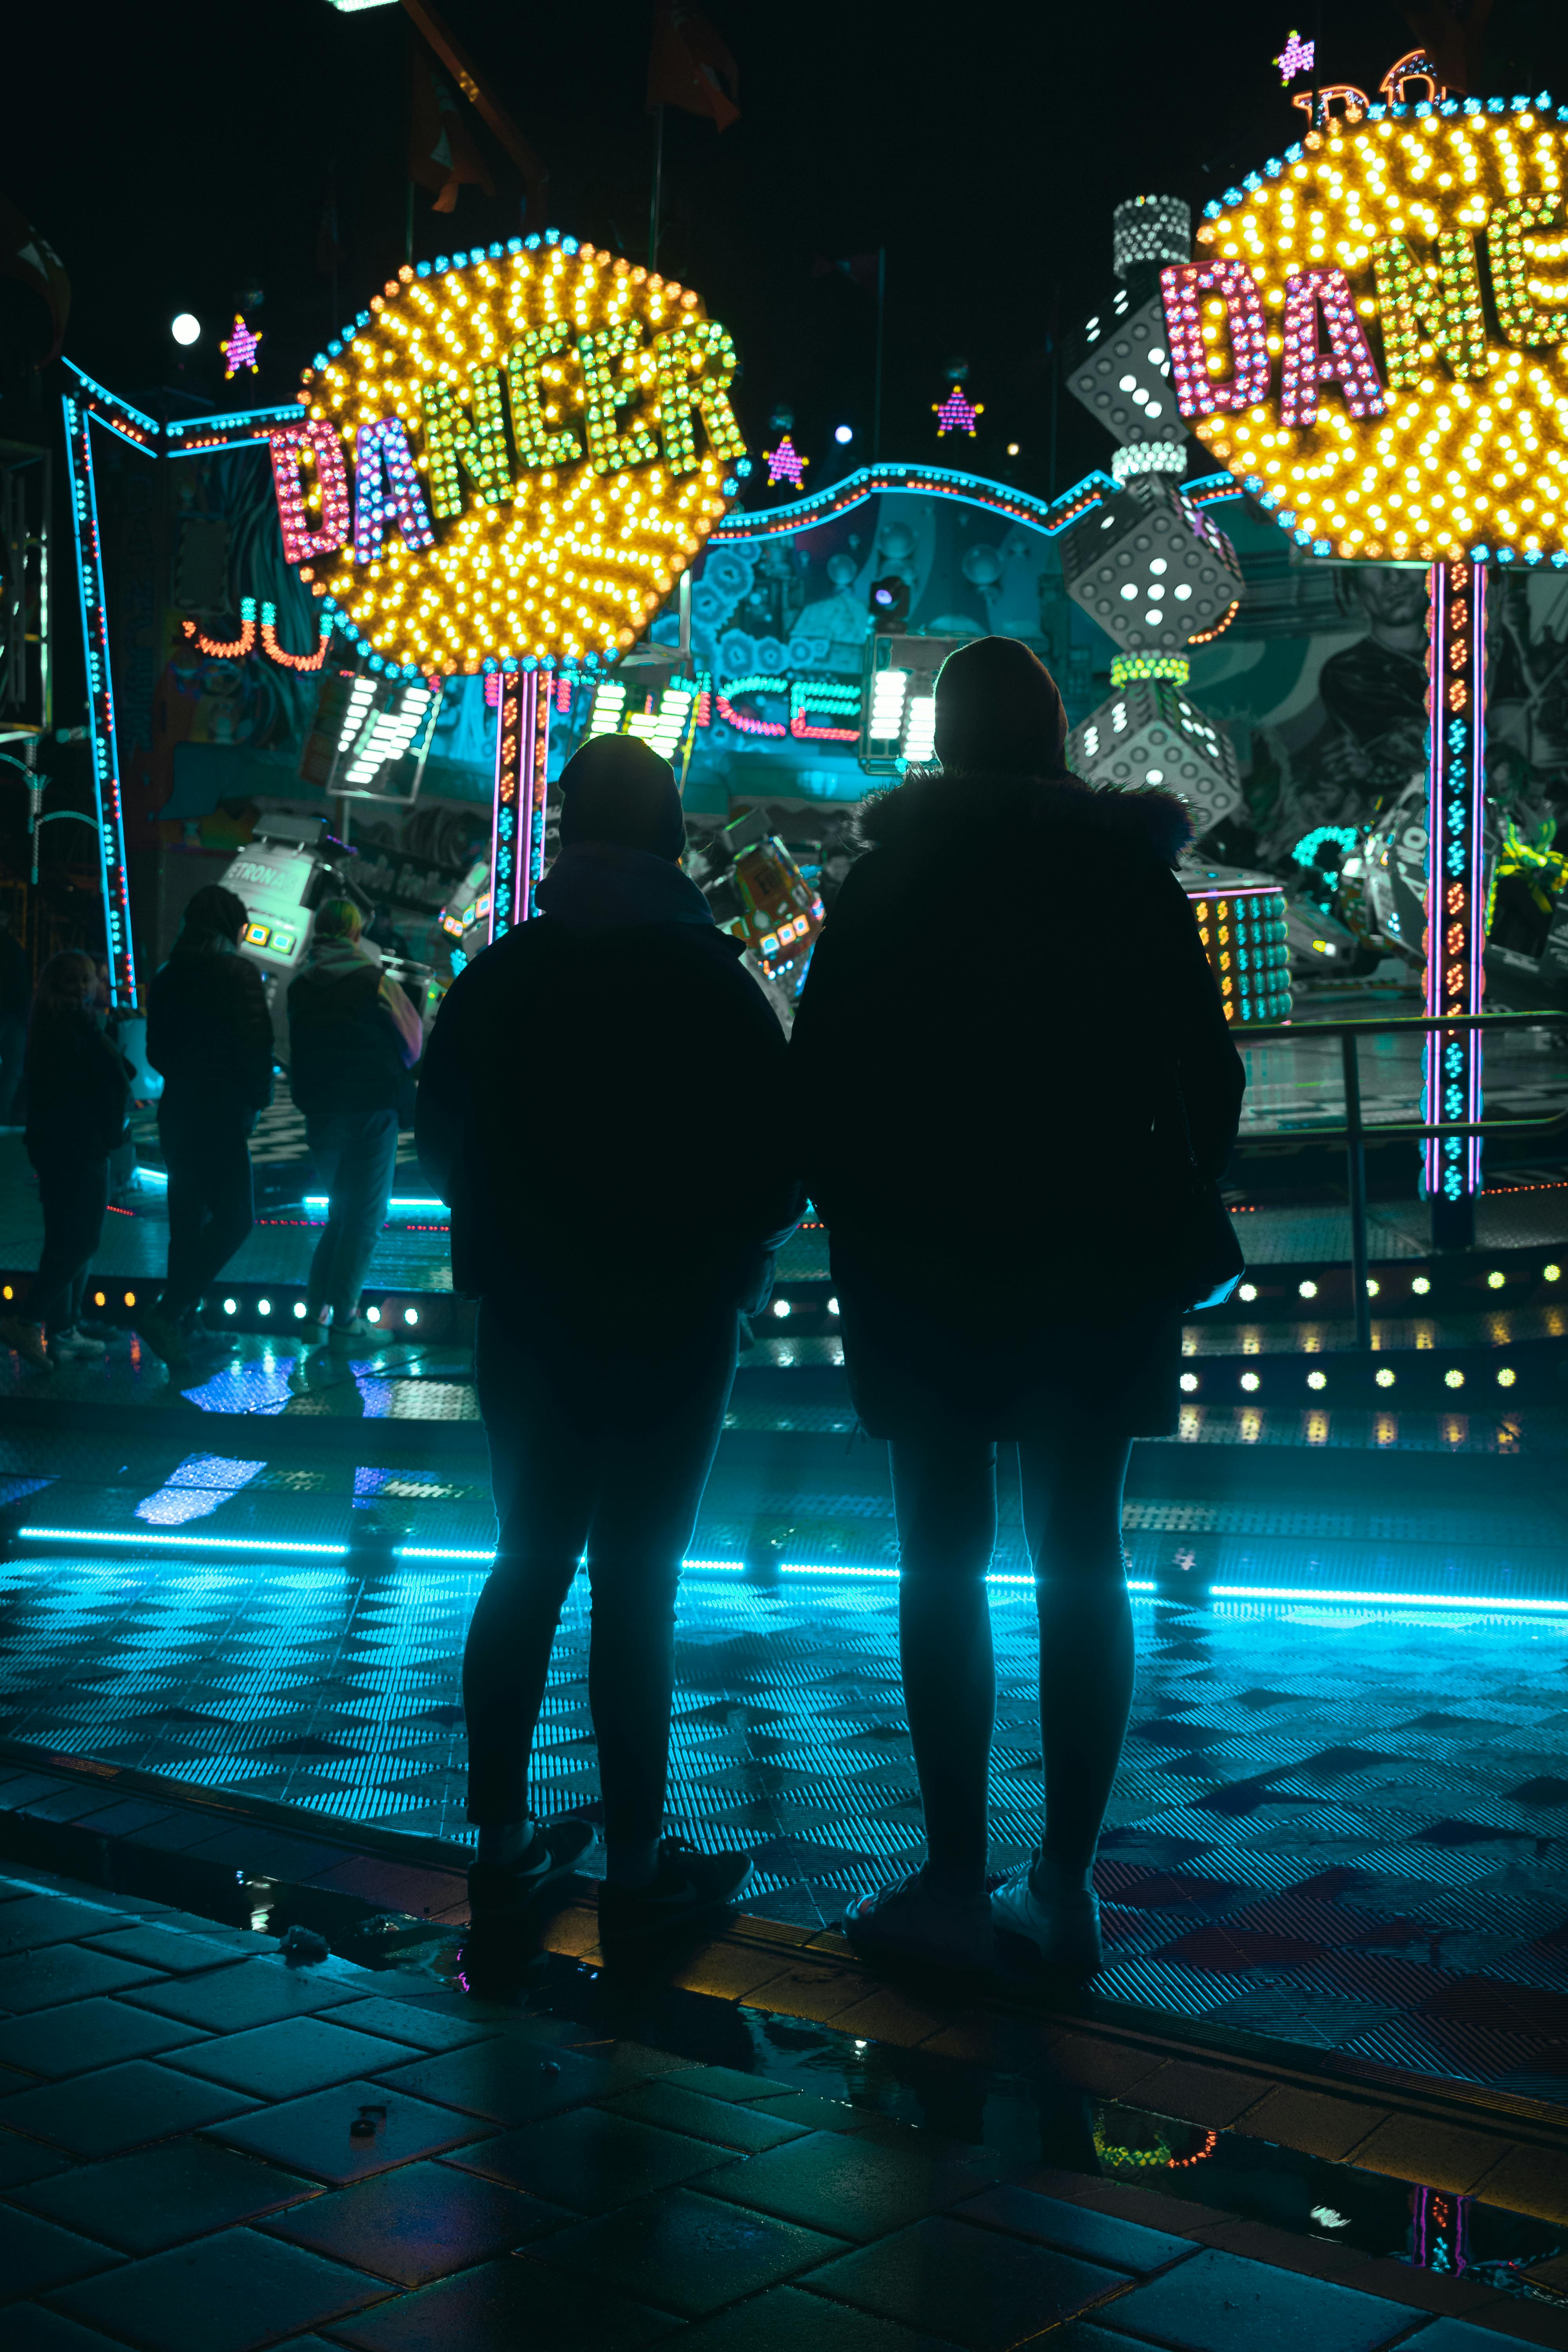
(517,824)
(100,705)
(1455,896)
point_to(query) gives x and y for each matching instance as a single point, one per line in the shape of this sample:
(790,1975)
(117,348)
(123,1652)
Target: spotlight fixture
(1248,1291)
(1495,1280)
(843,434)
(1316,1380)
(1189,1381)
(373,1314)
(1507,1377)
(411,1315)
(1385,1378)
(781,1306)
(185,328)
(1307,1289)
(1421,1285)
(231,1307)
(1454,1378)
(264,1307)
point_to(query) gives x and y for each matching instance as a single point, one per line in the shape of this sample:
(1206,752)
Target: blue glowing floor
(1343,1826)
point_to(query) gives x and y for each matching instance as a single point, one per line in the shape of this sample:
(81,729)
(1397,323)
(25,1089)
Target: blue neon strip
(322,1200)
(226,416)
(102,391)
(93,594)
(1383,1600)
(937,481)
(148,1541)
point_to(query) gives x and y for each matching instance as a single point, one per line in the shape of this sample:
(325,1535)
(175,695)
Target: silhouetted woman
(1000,1161)
(78,1095)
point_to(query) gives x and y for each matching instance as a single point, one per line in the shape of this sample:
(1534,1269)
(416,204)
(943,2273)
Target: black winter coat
(982,1057)
(604,1112)
(78,1089)
(345,1052)
(209,1032)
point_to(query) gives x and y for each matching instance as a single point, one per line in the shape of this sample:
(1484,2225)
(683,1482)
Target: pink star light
(1295,57)
(957,414)
(239,348)
(785,464)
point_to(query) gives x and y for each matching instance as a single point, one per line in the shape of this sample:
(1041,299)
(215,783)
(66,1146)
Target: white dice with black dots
(1150,734)
(1125,376)
(1152,571)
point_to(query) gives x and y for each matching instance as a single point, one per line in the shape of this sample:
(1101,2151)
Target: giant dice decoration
(1153,571)
(1125,376)
(1149,733)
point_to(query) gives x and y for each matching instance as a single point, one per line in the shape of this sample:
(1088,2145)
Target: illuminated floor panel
(1345,1826)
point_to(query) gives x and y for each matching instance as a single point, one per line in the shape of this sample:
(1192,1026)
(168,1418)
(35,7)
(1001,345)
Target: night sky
(186,156)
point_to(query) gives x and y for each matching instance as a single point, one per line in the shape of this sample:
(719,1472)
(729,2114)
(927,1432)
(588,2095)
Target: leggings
(74,1196)
(945,1498)
(603,1452)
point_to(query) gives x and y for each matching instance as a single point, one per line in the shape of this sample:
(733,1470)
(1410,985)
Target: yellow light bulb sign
(1374,339)
(510,460)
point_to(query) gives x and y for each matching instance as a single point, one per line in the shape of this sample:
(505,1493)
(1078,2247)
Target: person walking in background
(1001,1178)
(209,1033)
(16,995)
(354,1040)
(612,1226)
(78,1097)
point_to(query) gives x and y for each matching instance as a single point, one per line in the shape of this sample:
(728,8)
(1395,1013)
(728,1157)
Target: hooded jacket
(208,1030)
(983,1055)
(78,1089)
(603,1104)
(354,1037)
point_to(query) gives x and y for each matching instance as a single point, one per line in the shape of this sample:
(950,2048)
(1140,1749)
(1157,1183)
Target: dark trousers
(603,1450)
(356,1156)
(74,1196)
(207,1154)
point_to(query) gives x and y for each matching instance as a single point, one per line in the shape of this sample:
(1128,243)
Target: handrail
(1356,1129)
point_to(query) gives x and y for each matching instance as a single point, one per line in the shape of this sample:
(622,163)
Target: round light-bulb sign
(509,459)
(1374,339)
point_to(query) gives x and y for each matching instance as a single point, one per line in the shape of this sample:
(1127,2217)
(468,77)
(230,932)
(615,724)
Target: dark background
(179,159)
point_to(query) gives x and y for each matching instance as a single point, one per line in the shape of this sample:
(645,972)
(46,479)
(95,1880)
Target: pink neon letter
(1348,361)
(300,543)
(1199,393)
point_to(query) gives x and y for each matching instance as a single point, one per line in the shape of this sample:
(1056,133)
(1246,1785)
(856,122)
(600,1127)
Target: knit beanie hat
(618,789)
(998,708)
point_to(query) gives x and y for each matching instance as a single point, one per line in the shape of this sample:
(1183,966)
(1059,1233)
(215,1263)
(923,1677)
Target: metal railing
(1356,1129)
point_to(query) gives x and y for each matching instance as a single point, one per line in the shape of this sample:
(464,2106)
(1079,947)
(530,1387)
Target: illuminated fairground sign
(1377,341)
(509,459)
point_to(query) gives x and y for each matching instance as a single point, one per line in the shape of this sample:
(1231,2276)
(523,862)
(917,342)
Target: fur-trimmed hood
(948,805)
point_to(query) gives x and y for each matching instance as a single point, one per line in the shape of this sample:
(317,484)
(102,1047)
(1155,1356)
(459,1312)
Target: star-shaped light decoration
(785,464)
(239,348)
(1295,57)
(955,414)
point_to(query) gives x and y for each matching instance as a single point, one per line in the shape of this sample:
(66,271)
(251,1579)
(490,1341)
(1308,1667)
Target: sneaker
(27,1339)
(499,1892)
(353,1331)
(74,1342)
(685,1886)
(912,1921)
(1063,1927)
(168,1340)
